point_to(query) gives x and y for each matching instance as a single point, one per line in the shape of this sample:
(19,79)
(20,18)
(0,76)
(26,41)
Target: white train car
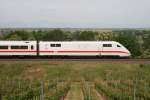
(18,48)
(82,48)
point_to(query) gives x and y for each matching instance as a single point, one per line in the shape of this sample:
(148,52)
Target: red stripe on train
(46,51)
(92,52)
(24,51)
(17,51)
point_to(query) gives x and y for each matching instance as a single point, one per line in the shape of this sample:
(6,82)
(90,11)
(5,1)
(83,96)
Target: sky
(75,13)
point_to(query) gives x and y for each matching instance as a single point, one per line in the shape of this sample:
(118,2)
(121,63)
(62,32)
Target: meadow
(74,81)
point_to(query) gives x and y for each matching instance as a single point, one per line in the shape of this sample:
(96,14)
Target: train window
(107,45)
(58,45)
(3,47)
(52,45)
(55,45)
(23,47)
(118,46)
(19,47)
(31,47)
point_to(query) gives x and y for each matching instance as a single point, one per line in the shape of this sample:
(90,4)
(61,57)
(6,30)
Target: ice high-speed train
(63,48)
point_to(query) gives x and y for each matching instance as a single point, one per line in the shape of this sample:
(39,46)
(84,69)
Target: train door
(107,49)
(56,47)
(100,49)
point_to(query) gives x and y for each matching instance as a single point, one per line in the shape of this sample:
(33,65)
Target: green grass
(111,80)
(73,71)
(75,92)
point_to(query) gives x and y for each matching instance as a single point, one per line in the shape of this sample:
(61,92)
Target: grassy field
(75,92)
(72,80)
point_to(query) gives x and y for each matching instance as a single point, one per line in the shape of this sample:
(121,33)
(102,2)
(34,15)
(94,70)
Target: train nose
(129,53)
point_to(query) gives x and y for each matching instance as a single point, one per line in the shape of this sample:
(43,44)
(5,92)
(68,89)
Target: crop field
(74,81)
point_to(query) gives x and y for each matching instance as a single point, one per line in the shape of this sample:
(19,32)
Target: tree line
(137,41)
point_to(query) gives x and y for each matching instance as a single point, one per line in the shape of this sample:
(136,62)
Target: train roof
(59,41)
(81,41)
(16,42)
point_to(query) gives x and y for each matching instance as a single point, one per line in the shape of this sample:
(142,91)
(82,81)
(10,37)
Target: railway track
(147,61)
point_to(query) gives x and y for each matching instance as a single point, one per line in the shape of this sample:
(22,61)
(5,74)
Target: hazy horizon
(75,14)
